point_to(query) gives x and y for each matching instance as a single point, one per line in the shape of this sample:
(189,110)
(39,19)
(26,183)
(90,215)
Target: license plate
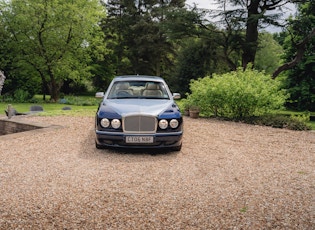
(139,139)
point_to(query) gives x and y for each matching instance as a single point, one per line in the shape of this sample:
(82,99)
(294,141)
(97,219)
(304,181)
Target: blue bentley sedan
(138,112)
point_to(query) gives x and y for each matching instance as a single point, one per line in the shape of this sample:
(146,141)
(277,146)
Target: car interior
(138,89)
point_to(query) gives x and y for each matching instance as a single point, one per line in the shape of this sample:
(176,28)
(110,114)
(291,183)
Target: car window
(138,89)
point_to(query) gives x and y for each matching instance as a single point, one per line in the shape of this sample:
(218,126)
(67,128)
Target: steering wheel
(123,94)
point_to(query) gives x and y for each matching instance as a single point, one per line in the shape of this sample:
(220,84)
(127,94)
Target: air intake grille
(139,124)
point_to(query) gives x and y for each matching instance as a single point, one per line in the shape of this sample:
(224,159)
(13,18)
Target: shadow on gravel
(89,151)
(133,151)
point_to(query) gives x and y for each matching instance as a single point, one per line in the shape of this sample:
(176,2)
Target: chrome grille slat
(139,124)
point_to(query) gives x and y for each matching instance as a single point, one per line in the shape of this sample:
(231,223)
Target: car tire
(177,148)
(99,146)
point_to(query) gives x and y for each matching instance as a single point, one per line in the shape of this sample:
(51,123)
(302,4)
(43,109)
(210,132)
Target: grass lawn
(80,106)
(53,109)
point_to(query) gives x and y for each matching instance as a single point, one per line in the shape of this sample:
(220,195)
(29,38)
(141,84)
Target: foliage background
(59,47)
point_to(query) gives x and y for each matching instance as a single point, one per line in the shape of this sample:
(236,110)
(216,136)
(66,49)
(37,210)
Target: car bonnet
(153,107)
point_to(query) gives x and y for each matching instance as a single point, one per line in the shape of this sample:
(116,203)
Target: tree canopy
(49,46)
(299,46)
(137,32)
(52,38)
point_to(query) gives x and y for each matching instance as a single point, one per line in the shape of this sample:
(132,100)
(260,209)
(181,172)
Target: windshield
(138,89)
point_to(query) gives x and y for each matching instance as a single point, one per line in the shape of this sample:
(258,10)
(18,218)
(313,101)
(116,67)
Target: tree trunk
(44,87)
(250,45)
(53,87)
(2,79)
(53,90)
(299,55)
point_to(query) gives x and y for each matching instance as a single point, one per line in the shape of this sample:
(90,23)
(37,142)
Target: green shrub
(237,94)
(299,122)
(80,101)
(21,95)
(7,98)
(281,121)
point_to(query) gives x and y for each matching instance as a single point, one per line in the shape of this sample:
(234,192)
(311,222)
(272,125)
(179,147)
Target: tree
(138,34)
(300,58)
(301,37)
(199,57)
(269,54)
(250,16)
(192,62)
(54,37)
(2,79)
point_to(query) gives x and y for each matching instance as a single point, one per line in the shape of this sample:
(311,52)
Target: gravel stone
(227,176)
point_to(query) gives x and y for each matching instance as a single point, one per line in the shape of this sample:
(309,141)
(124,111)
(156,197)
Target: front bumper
(160,140)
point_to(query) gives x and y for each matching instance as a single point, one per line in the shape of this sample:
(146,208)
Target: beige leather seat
(152,90)
(124,88)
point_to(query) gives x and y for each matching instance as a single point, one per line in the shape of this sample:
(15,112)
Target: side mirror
(99,95)
(176,96)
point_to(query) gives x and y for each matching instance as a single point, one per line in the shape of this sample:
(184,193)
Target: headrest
(123,85)
(152,86)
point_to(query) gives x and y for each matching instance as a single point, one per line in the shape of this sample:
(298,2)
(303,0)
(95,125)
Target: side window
(164,91)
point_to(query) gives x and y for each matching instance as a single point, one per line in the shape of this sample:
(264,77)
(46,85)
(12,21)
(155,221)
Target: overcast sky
(211,4)
(208,4)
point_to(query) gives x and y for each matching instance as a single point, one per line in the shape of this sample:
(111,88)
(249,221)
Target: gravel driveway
(227,176)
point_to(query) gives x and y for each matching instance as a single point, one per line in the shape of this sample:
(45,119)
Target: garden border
(16,127)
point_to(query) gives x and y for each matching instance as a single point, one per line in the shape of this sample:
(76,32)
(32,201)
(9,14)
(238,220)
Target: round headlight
(115,123)
(105,122)
(174,123)
(163,124)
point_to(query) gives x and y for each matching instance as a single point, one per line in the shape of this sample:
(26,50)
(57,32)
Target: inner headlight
(174,123)
(105,122)
(163,124)
(115,123)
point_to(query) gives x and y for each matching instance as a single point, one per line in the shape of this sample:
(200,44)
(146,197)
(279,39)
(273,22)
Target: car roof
(138,77)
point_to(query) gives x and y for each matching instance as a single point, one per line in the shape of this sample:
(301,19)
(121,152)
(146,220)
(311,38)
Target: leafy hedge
(298,122)
(236,95)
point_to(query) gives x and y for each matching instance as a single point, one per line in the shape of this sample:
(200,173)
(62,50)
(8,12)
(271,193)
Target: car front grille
(139,124)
